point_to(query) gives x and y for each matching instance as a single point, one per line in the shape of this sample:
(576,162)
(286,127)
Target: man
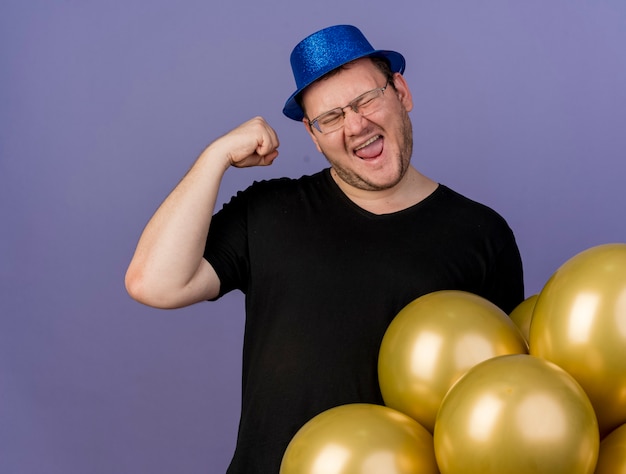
(325,261)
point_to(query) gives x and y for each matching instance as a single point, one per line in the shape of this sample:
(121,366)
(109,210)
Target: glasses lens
(330,121)
(367,103)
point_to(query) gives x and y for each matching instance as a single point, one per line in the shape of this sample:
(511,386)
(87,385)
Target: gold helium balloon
(579,323)
(433,341)
(360,438)
(516,414)
(612,456)
(522,315)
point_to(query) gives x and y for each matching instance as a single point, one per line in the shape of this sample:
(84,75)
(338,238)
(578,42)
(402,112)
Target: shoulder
(456,211)
(279,195)
(288,184)
(446,196)
(286,190)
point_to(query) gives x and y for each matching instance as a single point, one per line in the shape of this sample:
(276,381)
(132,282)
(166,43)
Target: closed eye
(331,118)
(366,103)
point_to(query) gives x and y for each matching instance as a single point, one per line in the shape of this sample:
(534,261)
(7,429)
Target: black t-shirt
(323,279)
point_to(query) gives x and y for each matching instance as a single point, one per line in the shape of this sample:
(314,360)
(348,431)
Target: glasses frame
(353,105)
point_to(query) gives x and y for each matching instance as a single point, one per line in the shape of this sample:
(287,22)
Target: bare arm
(168,269)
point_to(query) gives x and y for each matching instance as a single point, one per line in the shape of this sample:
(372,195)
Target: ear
(312,133)
(403,91)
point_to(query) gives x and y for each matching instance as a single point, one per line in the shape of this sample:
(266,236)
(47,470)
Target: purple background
(104,106)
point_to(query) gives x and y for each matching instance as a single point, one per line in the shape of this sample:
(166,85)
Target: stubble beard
(403,161)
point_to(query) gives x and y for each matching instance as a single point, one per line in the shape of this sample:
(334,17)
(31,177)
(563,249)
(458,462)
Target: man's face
(369,153)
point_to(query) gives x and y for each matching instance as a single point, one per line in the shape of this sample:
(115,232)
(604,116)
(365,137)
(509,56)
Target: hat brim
(295,112)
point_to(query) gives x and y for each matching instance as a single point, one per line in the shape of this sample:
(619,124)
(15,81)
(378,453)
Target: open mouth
(372,148)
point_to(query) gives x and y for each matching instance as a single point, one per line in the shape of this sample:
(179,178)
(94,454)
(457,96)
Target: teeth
(369,142)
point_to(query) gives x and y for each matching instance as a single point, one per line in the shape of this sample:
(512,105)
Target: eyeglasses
(364,105)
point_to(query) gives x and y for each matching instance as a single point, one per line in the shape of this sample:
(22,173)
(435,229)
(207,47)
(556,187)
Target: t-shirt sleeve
(506,282)
(227,244)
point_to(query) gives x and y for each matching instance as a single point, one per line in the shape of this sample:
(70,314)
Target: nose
(353,122)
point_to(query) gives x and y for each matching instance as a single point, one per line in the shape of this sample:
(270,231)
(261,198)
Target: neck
(412,189)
